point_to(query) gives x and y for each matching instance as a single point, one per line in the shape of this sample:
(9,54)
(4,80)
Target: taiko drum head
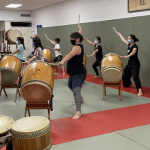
(112,75)
(10,68)
(31,124)
(36,92)
(8,76)
(5,124)
(13,34)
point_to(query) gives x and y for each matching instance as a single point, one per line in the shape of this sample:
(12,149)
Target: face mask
(129,41)
(33,44)
(17,42)
(73,42)
(95,42)
(54,42)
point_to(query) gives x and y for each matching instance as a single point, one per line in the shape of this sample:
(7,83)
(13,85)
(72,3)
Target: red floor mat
(98,123)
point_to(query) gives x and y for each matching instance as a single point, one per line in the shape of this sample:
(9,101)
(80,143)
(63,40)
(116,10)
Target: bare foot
(77,115)
(139,94)
(64,73)
(96,77)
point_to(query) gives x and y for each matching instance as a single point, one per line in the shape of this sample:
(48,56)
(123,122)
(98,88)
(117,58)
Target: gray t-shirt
(38,53)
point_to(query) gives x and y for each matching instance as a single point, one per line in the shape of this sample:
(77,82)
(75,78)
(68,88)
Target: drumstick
(87,55)
(49,47)
(53,64)
(121,56)
(79,20)
(25,33)
(115,29)
(46,36)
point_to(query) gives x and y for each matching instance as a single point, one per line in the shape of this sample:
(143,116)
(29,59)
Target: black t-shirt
(75,65)
(99,54)
(133,59)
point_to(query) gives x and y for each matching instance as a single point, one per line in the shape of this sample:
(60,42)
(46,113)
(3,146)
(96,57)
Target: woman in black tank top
(75,69)
(133,66)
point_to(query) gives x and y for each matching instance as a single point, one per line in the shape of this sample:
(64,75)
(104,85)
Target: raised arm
(89,42)
(51,41)
(122,38)
(80,29)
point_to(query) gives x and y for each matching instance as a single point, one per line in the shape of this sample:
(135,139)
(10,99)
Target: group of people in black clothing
(77,71)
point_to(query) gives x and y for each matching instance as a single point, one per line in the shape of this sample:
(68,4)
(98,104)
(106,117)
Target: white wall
(27,40)
(12,15)
(90,10)
(2,26)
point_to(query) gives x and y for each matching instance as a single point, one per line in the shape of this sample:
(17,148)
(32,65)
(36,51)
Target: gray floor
(130,139)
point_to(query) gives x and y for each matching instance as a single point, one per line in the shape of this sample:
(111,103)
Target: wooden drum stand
(112,84)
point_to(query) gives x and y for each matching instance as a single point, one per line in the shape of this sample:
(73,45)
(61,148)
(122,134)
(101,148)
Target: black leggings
(130,71)
(95,65)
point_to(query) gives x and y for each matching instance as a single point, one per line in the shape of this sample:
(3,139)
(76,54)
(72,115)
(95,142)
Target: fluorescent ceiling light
(13,5)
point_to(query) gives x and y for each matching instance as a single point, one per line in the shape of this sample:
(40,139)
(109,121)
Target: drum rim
(40,61)
(40,81)
(47,59)
(11,56)
(112,68)
(111,53)
(5,68)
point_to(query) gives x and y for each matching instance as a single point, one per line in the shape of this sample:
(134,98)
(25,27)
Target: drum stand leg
(29,112)
(0,91)
(25,112)
(112,84)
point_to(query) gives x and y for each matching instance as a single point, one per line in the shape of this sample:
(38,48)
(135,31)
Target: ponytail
(21,39)
(134,38)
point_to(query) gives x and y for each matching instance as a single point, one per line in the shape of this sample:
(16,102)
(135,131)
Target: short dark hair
(134,38)
(77,35)
(57,40)
(37,42)
(98,38)
(21,39)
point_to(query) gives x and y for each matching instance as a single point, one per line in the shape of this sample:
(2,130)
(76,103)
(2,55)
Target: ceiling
(28,4)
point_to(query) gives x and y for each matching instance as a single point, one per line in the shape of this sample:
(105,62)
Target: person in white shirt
(58,54)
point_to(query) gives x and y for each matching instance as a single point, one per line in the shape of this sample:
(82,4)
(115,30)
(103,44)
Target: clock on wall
(138,5)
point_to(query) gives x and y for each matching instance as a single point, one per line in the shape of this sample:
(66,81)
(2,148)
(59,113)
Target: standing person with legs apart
(133,66)
(75,69)
(98,54)
(58,54)
(38,52)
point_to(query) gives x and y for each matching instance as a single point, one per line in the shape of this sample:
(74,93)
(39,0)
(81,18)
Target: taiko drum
(31,133)
(47,54)
(112,68)
(37,82)
(10,67)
